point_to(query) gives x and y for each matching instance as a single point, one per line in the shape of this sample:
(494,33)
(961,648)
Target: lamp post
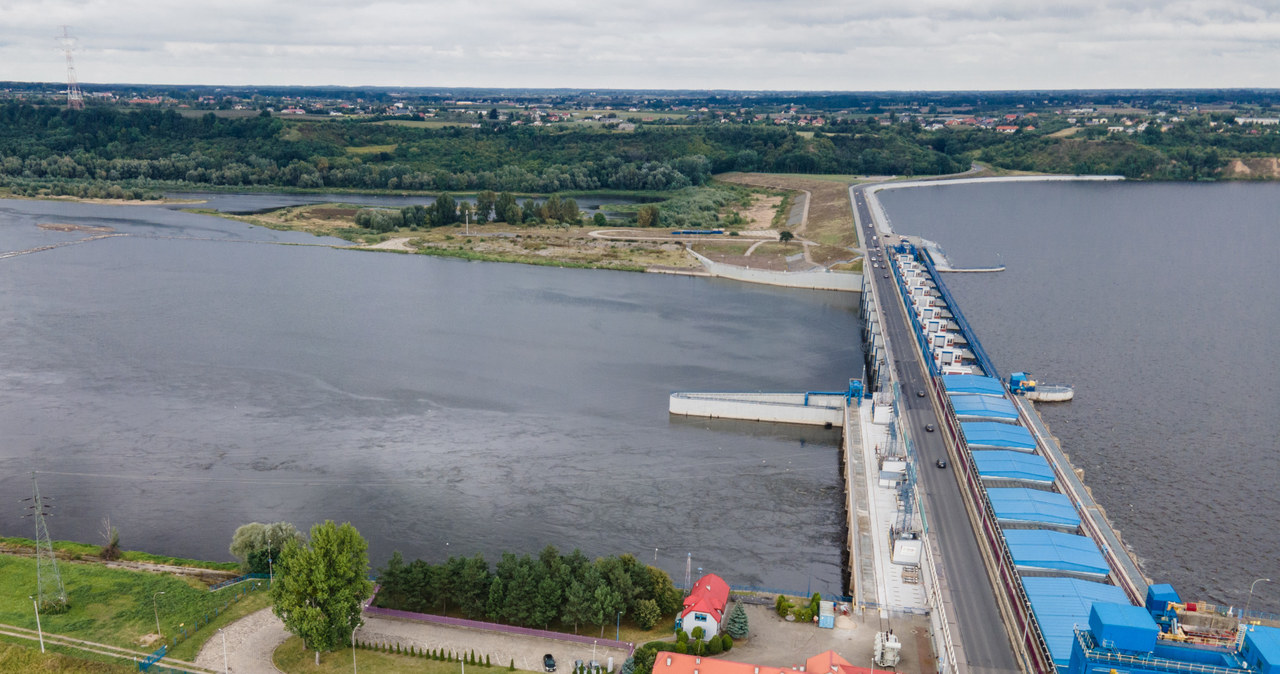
(39,630)
(1245,614)
(271,571)
(617,628)
(353,650)
(462,661)
(156,609)
(226,667)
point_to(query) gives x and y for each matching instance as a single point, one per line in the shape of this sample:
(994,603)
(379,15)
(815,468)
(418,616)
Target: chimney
(697,661)
(668,660)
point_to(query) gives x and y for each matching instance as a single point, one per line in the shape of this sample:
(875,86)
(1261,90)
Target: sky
(849,45)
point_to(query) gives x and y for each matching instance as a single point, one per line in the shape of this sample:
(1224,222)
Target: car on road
(920,393)
(548,663)
(928,427)
(886,275)
(941,463)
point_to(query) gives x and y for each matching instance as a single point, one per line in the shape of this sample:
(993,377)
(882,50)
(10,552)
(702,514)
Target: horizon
(709,45)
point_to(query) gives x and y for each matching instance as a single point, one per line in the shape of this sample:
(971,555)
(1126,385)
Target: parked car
(548,663)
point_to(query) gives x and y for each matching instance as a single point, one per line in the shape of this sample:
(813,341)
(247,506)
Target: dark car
(886,275)
(941,463)
(548,663)
(919,394)
(928,427)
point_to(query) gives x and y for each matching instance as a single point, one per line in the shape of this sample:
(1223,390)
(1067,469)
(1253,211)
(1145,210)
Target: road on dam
(979,625)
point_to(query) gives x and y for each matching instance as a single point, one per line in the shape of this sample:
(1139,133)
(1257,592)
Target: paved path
(250,642)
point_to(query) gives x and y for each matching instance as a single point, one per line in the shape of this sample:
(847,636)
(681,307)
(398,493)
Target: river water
(1158,302)
(193,376)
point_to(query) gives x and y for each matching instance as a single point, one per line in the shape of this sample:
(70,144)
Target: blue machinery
(855,391)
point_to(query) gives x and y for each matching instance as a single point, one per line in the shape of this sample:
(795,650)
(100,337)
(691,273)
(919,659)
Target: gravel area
(250,642)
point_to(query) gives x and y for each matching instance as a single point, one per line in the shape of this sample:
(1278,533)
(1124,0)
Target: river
(194,375)
(1158,303)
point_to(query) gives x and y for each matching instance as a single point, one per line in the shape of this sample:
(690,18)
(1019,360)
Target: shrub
(714,647)
(647,614)
(726,642)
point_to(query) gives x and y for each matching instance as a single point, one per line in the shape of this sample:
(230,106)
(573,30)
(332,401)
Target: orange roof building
(829,662)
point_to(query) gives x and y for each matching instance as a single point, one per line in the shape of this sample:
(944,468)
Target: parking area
(778,643)
(502,649)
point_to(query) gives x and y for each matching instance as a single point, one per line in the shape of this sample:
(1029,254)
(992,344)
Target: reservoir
(194,375)
(1157,302)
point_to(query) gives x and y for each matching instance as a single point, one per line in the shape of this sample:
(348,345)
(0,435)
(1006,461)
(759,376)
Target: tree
(577,605)
(786,236)
(736,625)
(111,541)
(605,603)
(255,543)
(598,220)
(321,585)
(647,216)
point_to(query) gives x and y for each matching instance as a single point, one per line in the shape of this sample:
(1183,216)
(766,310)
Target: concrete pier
(813,409)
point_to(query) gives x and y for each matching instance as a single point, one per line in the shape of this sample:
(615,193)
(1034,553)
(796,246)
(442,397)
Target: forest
(45,148)
(546,591)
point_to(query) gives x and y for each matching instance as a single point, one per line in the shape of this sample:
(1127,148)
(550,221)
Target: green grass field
(21,658)
(115,606)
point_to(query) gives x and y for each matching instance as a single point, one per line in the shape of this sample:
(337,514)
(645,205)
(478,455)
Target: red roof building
(829,662)
(704,607)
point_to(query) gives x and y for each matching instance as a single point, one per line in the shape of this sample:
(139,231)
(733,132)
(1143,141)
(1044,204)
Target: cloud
(743,44)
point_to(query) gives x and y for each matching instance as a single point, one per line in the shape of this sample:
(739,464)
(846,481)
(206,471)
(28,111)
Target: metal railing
(1093,653)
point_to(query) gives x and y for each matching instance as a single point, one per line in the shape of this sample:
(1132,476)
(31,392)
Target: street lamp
(353,650)
(40,631)
(617,629)
(156,610)
(1245,614)
(226,668)
(271,571)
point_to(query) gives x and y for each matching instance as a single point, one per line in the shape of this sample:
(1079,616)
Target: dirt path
(398,243)
(250,642)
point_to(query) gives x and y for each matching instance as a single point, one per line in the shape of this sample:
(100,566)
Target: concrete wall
(786,408)
(816,280)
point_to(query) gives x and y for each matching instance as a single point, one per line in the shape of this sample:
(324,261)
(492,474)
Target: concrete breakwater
(820,279)
(814,409)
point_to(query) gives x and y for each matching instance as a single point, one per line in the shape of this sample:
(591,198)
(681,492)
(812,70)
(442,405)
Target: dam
(1018,567)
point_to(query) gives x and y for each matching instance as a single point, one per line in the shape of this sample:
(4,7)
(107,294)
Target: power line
(75,100)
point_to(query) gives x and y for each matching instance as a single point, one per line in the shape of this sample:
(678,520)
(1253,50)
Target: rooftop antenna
(52,595)
(75,101)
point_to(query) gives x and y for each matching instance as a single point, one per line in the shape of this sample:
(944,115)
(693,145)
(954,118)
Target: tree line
(489,207)
(544,591)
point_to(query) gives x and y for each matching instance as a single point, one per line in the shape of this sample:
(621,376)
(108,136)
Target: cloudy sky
(686,44)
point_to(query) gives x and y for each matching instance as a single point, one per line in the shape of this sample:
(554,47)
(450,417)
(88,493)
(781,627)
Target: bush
(714,647)
(647,614)
(726,642)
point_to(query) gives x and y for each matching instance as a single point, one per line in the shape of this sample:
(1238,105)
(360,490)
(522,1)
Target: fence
(240,579)
(203,620)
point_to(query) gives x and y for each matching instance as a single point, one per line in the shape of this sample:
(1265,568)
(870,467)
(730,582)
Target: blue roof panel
(1061,604)
(996,434)
(1006,464)
(972,383)
(1019,504)
(983,407)
(1037,550)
